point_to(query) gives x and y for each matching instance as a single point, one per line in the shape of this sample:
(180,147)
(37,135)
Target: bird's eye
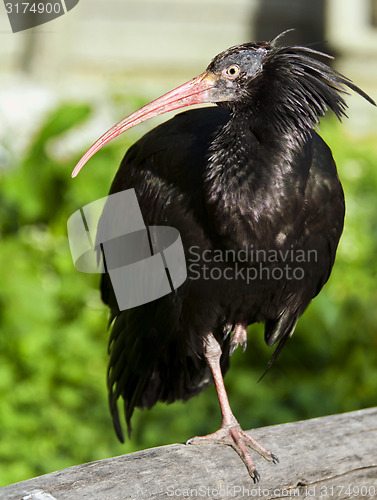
(232,71)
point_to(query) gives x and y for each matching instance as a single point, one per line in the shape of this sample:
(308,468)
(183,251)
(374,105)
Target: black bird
(254,192)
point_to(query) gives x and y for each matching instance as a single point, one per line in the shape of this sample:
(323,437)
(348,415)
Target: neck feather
(247,180)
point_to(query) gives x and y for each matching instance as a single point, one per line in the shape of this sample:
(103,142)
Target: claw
(244,345)
(275,459)
(227,329)
(233,346)
(256,476)
(239,338)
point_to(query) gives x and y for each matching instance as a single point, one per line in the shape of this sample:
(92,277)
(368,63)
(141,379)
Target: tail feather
(280,329)
(167,370)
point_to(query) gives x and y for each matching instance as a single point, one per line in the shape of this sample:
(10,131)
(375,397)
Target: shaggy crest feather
(304,88)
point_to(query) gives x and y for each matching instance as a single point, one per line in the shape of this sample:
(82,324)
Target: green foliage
(53,411)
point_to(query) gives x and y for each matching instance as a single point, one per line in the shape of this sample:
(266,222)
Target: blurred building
(146,47)
(141,39)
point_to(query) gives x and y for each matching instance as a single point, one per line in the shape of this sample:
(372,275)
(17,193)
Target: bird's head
(285,87)
(234,73)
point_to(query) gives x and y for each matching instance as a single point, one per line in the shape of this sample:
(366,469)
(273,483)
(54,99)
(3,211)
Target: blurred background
(63,84)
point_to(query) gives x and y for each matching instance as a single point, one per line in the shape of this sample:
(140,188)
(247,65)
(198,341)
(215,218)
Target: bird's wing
(149,355)
(321,228)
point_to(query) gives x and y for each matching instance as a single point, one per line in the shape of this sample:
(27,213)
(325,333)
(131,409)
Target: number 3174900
(33,8)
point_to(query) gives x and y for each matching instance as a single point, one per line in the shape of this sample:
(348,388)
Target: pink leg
(230,432)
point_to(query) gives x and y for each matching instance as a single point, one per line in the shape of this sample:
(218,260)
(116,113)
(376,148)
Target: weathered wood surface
(329,457)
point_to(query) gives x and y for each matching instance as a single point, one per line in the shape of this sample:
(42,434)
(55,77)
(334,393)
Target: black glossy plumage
(249,174)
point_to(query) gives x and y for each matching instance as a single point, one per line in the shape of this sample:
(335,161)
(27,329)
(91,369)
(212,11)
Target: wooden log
(331,457)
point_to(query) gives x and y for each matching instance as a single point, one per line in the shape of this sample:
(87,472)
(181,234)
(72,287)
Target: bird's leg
(230,432)
(239,338)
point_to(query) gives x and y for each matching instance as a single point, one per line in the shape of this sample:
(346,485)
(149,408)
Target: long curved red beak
(196,91)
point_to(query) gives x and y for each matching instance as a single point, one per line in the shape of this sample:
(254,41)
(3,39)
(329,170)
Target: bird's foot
(239,440)
(239,338)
